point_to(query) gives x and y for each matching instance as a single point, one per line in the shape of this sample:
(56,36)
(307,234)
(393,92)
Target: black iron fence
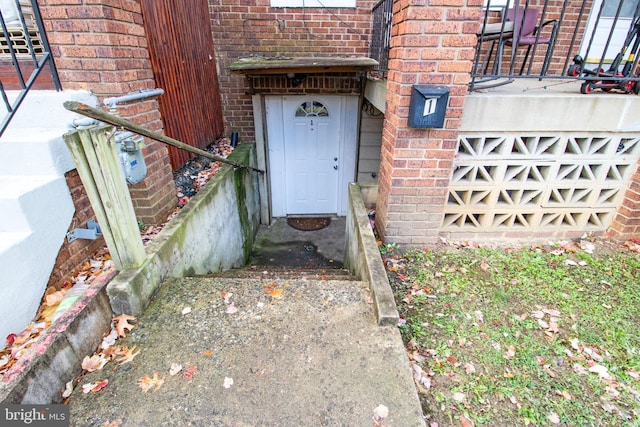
(544,39)
(381,35)
(559,39)
(24,54)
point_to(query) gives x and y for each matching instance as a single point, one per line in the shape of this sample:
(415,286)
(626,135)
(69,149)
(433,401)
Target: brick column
(432,43)
(101,46)
(626,223)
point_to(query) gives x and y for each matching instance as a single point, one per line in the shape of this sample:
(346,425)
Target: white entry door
(312,146)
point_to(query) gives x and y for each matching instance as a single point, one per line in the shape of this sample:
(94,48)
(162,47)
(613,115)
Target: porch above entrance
(259,65)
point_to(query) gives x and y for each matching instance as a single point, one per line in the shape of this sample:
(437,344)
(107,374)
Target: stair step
(285,273)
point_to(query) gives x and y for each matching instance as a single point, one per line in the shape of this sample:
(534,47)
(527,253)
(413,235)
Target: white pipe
(132,96)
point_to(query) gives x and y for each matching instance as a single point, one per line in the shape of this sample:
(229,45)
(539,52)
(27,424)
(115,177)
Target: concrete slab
(280,245)
(314,356)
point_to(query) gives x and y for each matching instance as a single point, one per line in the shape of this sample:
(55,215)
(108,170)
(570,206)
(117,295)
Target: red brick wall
(100,45)
(432,43)
(73,255)
(243,28)
(626,224)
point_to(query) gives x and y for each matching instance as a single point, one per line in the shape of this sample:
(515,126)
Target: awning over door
(260,65)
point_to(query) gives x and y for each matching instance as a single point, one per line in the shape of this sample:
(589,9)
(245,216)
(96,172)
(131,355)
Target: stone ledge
(42,372)
(363,259)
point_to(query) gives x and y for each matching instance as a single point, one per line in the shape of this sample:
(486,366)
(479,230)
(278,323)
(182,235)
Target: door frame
(270,153)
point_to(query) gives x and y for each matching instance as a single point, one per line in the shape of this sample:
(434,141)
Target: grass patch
(535,336)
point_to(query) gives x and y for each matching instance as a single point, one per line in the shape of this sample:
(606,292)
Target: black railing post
(39,58)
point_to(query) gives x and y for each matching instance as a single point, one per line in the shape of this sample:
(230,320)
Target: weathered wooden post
(95,154)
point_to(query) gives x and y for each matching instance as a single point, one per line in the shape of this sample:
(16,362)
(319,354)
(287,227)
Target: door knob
(335,159)
(335,167)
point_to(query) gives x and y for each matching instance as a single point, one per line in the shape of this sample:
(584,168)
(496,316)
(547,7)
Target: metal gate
(183,60)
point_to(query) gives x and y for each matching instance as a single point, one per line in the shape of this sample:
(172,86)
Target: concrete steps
(36,208)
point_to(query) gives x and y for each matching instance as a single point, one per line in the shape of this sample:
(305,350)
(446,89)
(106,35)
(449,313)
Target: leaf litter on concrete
(538,335)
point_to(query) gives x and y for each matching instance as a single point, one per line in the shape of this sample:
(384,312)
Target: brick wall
(626,224)
(432,43)
(100,45)
(243,28)
(73,255)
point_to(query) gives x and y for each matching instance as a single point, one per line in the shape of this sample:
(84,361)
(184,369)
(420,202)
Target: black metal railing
(24,49)
(381,35)
(553,39)
(544,39)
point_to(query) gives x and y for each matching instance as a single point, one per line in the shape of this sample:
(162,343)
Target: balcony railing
(24,54)
(559,39)
(545,39)
(381,37)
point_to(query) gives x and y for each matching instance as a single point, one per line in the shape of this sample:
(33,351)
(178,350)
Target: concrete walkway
(276,349)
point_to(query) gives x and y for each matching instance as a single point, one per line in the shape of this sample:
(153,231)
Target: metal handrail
(40,58)
(94,113)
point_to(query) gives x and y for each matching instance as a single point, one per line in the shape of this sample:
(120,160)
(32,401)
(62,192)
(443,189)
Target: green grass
(508,336)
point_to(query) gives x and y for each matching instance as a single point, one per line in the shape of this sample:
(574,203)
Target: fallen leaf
(186,310)
(146,383)
(465,422)
(511,351)
(114,423)
(93,387)
(459,397)
(68,389)
(232,309)
(122,324)
(54,298)
(109,339)
(190,371)
(380,412)
(543,324)
(553,418)
(479,315)
(207,353)
(602,371)
(228,382)
(276,293)
(127,355)
(469,368)
(579,369)
(174,369)
(484,266)
(93,363)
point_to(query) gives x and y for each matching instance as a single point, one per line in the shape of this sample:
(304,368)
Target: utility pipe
(94,113)
(132,96)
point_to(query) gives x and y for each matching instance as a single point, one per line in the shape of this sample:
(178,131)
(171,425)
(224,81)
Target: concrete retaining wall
(362,257)
(213,232)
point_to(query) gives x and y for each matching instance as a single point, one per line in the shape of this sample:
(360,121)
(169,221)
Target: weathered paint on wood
(94,113)
(96,157)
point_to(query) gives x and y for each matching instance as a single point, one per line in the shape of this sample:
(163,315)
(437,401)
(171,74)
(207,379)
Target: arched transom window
(312,109)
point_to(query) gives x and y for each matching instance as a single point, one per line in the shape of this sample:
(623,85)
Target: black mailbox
(428,106)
